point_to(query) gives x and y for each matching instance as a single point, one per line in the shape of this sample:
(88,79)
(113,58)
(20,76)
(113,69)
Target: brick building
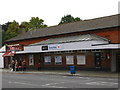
(88,45)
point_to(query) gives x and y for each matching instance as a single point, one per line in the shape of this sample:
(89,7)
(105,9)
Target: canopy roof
(8,54)
(76,38)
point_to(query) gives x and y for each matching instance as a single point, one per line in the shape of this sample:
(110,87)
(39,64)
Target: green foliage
(36,23)
(68,19)
(25,26)
(13,30)
(5,26)
(77,19)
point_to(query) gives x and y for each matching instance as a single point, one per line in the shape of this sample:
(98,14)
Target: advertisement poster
(80,59)
(69,60)
(47,59)
(31,60)
(58,59)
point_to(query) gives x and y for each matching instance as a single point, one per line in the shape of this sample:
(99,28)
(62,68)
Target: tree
(24,26)
(36,23)
(5,26)
(68,19)
(77,19)
(13,30)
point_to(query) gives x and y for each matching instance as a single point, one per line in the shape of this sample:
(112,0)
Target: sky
(51,11)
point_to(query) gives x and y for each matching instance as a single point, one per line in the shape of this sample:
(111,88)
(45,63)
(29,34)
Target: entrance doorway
(97,60)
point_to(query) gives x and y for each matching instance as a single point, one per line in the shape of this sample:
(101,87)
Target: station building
(88,45)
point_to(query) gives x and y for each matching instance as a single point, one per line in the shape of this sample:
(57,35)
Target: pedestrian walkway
(67,73)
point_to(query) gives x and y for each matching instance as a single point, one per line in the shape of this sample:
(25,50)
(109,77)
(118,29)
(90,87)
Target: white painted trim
(84,45)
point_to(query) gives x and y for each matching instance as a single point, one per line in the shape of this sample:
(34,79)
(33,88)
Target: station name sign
(44,48)
(52,47)
(14,48)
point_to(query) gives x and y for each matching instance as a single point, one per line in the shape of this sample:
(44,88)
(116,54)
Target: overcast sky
(51,11)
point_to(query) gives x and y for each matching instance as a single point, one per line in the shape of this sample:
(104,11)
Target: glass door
(97,59)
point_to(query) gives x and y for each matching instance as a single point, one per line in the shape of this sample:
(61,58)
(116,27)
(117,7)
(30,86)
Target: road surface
(22,80)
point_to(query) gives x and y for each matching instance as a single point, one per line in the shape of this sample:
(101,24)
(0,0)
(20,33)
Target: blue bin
(72,70)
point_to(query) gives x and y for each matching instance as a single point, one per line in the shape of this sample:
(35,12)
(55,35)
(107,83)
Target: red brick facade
(110,33)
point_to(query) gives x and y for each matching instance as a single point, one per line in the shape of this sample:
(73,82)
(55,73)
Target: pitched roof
(97,23)
(76,38)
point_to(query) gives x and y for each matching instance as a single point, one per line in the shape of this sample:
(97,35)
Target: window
(47,59)
(69,60)
(58,59)
(31,60)
(81,59)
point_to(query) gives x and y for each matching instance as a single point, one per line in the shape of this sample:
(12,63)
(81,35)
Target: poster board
(81,59)
(69,59)
(31,59)
(47,59)
(58,59)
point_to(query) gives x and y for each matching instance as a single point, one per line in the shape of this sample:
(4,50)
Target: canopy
(8,54)
(75,38)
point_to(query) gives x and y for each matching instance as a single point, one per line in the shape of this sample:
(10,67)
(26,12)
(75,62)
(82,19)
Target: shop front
(9,55)
(88,52)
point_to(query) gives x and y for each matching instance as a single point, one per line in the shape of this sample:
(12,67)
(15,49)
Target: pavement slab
(67,73)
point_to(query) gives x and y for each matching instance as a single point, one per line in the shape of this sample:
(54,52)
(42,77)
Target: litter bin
(72,70)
